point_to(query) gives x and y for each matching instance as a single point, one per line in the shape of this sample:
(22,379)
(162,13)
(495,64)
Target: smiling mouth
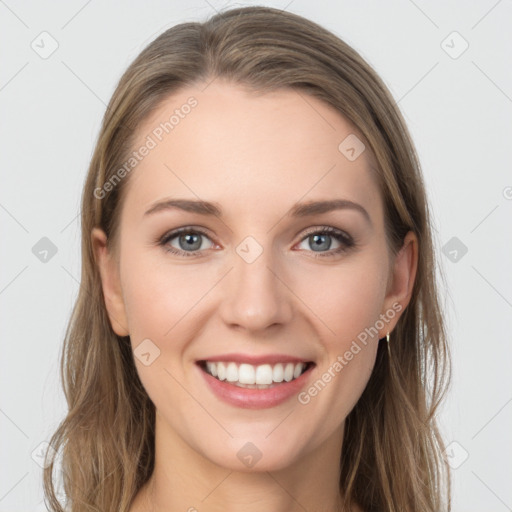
(263,376)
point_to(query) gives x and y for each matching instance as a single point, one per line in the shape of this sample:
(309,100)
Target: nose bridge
(255,298)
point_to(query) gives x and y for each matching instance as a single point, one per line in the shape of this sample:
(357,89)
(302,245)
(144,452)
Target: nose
(255,295)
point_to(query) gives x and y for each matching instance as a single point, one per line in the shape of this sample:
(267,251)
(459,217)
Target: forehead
(250,152)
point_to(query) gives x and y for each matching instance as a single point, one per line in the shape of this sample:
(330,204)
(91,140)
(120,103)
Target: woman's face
(253,279)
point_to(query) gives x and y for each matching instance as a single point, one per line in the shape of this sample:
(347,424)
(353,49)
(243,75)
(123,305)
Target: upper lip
(255,360)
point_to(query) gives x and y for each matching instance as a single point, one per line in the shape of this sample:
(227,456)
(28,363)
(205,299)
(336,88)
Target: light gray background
(459,111)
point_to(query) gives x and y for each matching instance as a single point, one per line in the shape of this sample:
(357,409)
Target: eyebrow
(297,210)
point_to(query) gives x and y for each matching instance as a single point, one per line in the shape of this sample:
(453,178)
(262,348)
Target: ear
(401,282)
(110,281)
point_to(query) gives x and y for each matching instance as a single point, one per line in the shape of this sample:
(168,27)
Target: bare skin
(256,156)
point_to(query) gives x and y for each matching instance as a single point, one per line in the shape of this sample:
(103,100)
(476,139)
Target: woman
(258,325)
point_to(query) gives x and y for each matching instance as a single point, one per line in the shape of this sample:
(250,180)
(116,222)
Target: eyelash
(346,240)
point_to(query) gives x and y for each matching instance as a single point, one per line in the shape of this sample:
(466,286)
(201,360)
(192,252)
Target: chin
(251,456)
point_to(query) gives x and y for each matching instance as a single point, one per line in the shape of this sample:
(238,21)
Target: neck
(184,480)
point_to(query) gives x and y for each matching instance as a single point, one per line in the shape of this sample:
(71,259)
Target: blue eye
(321,239)
(190,241)
(187,238)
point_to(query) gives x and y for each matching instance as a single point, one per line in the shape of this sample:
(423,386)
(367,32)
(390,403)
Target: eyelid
(337,233)
(173,233)
(329,230)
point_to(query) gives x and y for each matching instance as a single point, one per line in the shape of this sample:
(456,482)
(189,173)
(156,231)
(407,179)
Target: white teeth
(250,376)
(232,372)
(263,374)
(288,372)
(297,371)
(246,374)
(221,371)
(212,368)
(278,373)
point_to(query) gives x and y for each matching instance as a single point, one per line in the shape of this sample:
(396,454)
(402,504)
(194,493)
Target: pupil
(316,239)
(190,240)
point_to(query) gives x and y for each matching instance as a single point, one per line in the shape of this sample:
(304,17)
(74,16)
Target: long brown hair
(392,450)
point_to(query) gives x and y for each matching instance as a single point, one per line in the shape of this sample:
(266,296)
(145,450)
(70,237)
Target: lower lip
(248,398)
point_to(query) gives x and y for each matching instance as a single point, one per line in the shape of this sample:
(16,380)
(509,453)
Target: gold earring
(387,343)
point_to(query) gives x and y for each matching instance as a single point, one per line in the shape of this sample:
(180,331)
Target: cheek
(346,299)
(346,302)
(162,298)
(164,303)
